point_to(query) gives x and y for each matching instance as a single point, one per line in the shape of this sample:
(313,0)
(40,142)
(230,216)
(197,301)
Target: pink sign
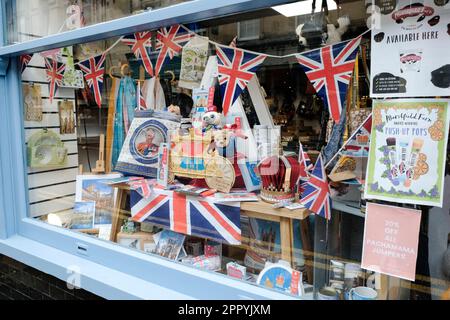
(391,239)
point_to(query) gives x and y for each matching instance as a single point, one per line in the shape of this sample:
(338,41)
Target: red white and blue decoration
(141,45)
(330,70)
(54,72)
(142,186)
(358,143)
(94,70)
(316,191)
(190,215)
(236,68)
(24,61)
(169,43)
(141,104)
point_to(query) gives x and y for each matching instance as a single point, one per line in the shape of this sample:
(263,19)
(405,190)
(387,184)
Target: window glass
(148,141)
(34,19)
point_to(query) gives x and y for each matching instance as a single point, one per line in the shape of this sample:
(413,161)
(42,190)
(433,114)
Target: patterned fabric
(190,215)
(236,69)
(336,139)
(330,70)
(126,103)
(94,70)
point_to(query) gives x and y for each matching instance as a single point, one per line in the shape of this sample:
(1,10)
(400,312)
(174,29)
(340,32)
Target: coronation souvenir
(45,149)
(149,129)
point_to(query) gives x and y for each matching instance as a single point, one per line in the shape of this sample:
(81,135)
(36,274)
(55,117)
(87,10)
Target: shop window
(157,148)
(34,19)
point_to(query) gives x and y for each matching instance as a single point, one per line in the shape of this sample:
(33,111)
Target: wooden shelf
(267,212)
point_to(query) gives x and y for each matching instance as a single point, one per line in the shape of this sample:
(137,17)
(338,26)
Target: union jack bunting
(54,71)
(198,216)
(169,42)
(316,191)
(330,69)
(93,70)
(141,45)
(236,68)
(24,61)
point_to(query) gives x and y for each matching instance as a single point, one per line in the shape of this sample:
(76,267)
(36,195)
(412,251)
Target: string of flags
(329,68)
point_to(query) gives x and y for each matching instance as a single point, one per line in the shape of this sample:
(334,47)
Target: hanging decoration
(170,42)
(24,61)
(141,104)
(93,70)
(141,45)
(330,69)
(236,68)
(316,191)
(54,72)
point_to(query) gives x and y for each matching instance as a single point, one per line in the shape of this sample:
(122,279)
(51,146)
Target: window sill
(100,280)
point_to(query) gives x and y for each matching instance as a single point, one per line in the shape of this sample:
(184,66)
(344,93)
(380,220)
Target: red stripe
(179,213)
(150,205)
(221,220)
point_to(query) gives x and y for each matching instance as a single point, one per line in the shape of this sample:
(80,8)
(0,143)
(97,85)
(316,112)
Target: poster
(391,240)
(408,42)
(193,62)
(407,151)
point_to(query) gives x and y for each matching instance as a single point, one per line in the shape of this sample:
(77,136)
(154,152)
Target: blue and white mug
(362,293)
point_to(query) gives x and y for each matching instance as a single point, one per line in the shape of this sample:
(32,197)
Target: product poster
(409,45)
(407,151)
(391,240)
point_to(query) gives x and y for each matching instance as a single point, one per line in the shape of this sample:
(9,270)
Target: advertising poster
(391,240)
(408,151)
(409,42)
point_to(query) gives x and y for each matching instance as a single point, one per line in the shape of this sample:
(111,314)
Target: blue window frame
(14,221)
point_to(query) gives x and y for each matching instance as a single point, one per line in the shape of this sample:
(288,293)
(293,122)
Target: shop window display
(245,156)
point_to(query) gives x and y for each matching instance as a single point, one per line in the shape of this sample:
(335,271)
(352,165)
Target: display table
(259,210)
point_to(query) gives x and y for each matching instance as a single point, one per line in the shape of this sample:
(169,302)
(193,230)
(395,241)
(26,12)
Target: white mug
(362,293)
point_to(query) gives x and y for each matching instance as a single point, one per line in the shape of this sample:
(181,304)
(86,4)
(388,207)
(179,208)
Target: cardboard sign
(391,240)
(407,45)
(408,147)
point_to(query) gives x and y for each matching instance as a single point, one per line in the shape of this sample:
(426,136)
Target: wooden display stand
(259,210)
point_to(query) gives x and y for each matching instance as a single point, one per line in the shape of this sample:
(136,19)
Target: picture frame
(139,240)
(93,188)
(66,117)
(83,215)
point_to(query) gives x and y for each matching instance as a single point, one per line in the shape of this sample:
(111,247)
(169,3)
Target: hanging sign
(407,151)
(193,62)
(407,50)
(391,239)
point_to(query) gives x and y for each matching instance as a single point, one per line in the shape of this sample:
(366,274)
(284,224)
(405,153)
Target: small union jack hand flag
(236,68)
(143,186)
(24,61)
(141,46)
(93,70)
(54,72)
(316,191)
(330,69)
(169,42)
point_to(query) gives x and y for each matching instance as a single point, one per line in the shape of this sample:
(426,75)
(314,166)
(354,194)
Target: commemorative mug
(328,293)
(362,293)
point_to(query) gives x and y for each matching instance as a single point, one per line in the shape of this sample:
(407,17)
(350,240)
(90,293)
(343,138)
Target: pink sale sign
(391,238)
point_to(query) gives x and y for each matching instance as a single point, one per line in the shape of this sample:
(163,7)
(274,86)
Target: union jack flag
(141,45)
(93,70)
(330,69)
(24,61)
(54,72)
(190,215)
(316,191)
(169,43)
(236,68)
(143,186)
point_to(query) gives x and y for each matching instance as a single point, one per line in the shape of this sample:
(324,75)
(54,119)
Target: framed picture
(32,102)
(139,240)
(66,117)
(169,244)
(93,188)
(83,215)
